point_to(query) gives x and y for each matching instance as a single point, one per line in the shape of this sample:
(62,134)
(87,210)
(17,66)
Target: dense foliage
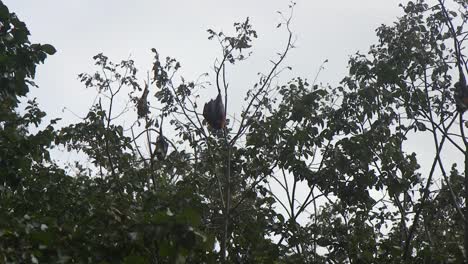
(307,173)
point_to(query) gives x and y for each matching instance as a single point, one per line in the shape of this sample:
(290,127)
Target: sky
(120,29)
(324,30)
(330,30)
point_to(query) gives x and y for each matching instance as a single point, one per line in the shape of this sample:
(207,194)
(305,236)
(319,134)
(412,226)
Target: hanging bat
(161,148)
(142,104)
(161,145)
(461,94)
(214,113)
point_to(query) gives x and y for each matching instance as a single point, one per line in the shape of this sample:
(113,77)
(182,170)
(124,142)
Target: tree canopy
(231,194)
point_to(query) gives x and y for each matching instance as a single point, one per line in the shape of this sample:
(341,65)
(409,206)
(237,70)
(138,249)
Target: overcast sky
(330,30)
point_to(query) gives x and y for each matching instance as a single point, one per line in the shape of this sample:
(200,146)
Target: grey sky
(330,30)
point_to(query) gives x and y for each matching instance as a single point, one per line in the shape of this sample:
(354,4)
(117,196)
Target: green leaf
(4,12)
(421,126)
(45,238)
(190,215)
(49,49)
(133,259)
(165,249)
(280,218)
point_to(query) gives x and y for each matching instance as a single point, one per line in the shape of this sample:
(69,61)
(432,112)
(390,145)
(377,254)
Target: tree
(215,196)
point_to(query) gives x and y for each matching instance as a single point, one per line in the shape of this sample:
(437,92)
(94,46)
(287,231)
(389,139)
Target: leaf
(45,238)
(4,12)
(134,259)
(280,218)
(190,215)
(165,249)
(421,126)
(49,49)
